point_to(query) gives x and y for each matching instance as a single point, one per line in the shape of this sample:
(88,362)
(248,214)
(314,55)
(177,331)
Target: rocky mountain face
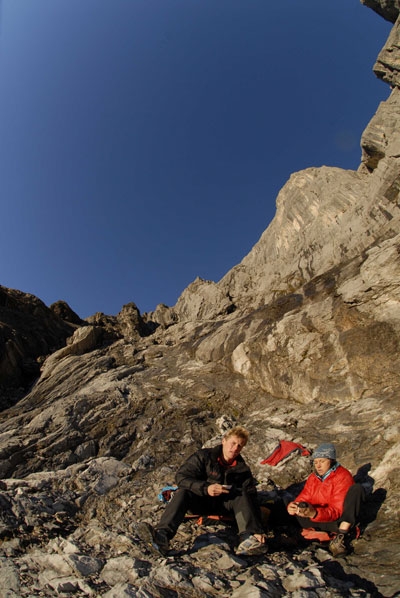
(300,341)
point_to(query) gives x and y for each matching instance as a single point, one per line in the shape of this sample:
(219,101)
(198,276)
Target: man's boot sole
(145,533)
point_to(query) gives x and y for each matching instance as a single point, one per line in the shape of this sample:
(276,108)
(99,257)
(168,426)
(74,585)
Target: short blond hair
(238,431)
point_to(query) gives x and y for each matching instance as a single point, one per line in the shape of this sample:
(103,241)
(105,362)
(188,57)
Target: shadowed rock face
(29,331)
(300,341)
(388,9)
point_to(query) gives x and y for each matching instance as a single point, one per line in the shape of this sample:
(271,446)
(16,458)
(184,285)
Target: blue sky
(143,142)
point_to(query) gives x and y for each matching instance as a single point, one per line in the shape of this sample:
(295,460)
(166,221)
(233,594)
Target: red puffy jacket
(328,495)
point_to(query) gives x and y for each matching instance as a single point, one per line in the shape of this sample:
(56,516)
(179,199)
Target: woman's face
(321,466)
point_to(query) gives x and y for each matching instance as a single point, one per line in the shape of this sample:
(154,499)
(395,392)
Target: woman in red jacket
(330,500)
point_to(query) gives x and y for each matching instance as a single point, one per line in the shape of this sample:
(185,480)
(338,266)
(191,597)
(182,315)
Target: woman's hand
(292,508)
(308,511)
(301,509)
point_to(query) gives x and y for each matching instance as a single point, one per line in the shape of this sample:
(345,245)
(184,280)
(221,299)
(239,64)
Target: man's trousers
(241,505)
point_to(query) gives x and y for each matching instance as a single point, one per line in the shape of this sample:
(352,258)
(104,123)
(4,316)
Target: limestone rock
(203,300)
(63,310)
(162,316)
(381,140)
(388,9)
(387,65)
(29,331)
(128,324)
(83,340)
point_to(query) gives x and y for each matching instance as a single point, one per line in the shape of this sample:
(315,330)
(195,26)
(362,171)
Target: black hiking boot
(340,544)
(156,540)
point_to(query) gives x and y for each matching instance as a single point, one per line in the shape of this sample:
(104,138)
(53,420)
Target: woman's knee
(355,493)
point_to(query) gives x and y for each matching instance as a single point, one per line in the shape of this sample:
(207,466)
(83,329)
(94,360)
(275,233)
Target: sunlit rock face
(300,341)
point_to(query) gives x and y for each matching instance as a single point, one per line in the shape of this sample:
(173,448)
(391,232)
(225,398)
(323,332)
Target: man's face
(322,465)
(231,447)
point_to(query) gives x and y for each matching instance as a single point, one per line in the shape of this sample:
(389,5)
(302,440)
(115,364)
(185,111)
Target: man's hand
(217,490)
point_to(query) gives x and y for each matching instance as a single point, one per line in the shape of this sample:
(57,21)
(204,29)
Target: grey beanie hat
(325,451)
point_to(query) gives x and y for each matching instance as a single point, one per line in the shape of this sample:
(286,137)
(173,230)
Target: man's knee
(182,492)
(175,511)
(244,496)
(184,501)
(182,497)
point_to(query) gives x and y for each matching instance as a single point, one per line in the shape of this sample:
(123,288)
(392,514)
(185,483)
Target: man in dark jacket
(214,481)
